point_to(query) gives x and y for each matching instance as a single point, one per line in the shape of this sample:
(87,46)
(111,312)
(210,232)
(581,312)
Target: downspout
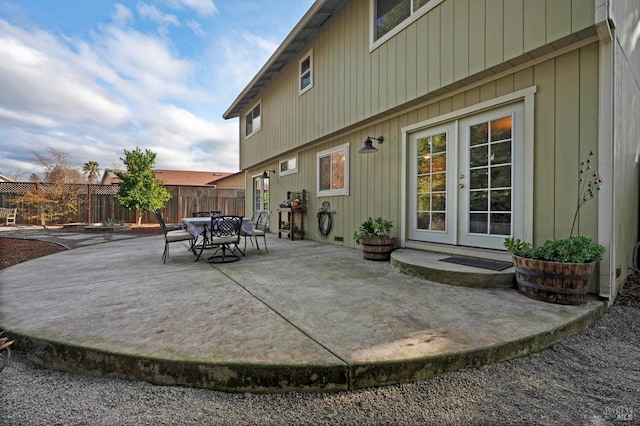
(606,137)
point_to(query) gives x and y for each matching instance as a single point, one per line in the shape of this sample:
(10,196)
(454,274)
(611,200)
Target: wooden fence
(97,203)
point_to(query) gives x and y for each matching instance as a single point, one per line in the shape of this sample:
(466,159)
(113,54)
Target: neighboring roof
(174,177)
(308,26)
(187,178)
(233,181)
(4,178)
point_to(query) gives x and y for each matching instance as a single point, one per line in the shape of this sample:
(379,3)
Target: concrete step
(430,266)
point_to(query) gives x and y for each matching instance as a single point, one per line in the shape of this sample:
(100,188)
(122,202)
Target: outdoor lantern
(368,145)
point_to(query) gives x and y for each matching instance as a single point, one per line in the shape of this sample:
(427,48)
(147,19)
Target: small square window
(288,166)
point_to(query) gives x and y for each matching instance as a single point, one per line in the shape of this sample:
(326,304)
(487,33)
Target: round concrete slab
(307,316)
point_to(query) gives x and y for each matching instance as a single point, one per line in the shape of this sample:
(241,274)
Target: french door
(464,178)
(260,193)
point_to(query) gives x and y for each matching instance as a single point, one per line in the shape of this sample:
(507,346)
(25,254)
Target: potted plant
(374,235)
(294,200)
(560,270)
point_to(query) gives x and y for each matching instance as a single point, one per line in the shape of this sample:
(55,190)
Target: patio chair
(260,229)
(254,222)
(167,226)
(255,217)
(224,233)
(200,214)
(173,236)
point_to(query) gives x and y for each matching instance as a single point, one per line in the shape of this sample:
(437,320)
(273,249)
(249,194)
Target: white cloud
(36,80)
(122,15)
(195,27)
(244,54)
(202,7)
(182,138)
(152,13)
(144,68)
(96,96)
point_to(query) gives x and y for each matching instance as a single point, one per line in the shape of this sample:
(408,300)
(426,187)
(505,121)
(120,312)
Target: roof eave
(281,57)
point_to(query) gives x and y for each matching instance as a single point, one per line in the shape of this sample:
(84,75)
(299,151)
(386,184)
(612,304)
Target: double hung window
(306,73)
(253,121)
(390,14)
(333,171)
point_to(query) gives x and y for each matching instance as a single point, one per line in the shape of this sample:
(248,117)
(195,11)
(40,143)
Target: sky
(95,77)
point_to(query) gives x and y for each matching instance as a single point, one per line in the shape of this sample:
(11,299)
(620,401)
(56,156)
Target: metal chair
(260,229)
(224,233)
(172,236)
(254,222)
(200,214)
(167,226)
(255,217)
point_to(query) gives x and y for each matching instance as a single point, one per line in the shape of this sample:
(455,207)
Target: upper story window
(333,171)
(390,16)
(288,166)
(253,121)
(306,72)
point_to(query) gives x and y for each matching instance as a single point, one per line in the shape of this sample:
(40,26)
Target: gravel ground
(592,378)
(589,379)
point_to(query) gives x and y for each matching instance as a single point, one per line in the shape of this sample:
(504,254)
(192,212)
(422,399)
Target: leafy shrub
(373,228)
(577,249)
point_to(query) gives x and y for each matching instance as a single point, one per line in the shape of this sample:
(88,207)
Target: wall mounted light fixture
(266,173)
(368,145)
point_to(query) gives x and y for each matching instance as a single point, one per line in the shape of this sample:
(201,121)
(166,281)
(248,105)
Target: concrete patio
(307,316)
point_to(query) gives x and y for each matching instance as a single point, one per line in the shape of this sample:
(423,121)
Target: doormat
(479,263)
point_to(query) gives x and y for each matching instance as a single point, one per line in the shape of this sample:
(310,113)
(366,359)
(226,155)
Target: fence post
(88,203)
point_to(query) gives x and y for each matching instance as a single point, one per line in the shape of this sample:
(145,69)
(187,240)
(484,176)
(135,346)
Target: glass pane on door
(431,182)
(260,193)
(490,177)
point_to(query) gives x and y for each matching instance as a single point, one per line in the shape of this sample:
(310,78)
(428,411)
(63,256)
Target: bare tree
(56,166)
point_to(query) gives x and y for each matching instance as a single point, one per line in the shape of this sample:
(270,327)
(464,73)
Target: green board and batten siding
(355,87)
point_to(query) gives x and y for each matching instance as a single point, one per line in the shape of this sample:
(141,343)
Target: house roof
(308,26)
(188,178)
(175,177)
(4,178)
(232,181)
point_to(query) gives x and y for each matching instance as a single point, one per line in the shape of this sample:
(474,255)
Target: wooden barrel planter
(555,282)
(377,248)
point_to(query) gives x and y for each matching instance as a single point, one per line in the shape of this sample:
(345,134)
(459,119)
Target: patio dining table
(197,226)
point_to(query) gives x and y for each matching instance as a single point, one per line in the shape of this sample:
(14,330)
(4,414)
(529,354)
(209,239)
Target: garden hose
(325,220)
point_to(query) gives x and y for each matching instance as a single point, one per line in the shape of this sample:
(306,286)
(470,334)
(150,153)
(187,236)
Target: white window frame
(331,192)
(414,16)
(256,129)
(289,171)
(259,204)
(524,230)
(301,89)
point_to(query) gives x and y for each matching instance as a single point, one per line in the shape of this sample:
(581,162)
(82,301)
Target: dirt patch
(15,250)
